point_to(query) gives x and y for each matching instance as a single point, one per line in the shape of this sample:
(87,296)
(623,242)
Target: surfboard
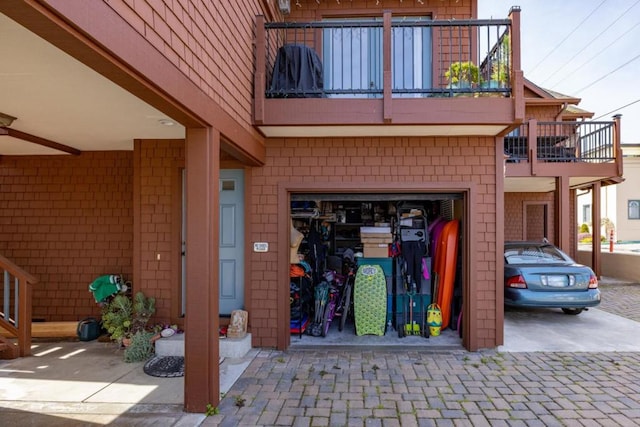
(447,254)
(370,300)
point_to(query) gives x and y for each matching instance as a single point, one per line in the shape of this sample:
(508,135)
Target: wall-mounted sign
(260,247)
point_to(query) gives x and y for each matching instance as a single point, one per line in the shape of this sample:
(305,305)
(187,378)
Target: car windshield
(533,254)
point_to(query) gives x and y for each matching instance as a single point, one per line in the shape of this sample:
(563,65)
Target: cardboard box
(376,235)
(376,240)
(375,250)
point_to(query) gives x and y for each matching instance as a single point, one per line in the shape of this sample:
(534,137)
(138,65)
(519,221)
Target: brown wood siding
(464,9)
(210,42)
(514,205)
(352,162)
(156,219)
(542,113)
(461,9)
(67,220)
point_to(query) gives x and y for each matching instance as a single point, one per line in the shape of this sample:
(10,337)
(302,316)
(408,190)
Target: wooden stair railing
(15,311)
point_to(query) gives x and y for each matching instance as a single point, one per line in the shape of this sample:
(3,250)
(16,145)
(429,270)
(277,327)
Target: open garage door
(401,233)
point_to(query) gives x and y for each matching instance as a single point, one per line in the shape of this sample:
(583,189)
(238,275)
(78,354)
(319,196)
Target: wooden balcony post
(514,16)
(596,247)
(517,76)
(259,76)
(617,139)
(386,64)
(562,213)
(532,141)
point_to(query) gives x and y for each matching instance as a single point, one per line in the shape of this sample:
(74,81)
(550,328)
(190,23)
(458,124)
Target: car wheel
(572,311)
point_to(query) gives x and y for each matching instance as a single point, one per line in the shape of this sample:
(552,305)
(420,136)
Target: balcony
(391,76)
(583,151)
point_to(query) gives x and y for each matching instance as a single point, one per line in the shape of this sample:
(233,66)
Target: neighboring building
(620,204)
(94,182)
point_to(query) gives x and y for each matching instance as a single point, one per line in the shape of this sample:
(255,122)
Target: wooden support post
(202,375)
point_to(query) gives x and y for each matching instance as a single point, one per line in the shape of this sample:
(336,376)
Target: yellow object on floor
(434,319)
(412,329)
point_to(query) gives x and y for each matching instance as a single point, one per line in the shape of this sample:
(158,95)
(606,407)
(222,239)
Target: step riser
(231,348)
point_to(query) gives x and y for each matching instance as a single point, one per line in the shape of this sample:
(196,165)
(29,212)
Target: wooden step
(50,330)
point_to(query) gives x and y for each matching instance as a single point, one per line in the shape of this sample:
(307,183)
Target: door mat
(165,366)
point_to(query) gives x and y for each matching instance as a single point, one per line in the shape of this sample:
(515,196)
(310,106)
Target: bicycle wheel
(328,317)
(346,306)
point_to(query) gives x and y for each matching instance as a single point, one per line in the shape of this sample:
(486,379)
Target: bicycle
(344,306)
(330,310)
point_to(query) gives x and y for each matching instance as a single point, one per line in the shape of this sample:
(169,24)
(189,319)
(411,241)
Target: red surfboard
(447,255)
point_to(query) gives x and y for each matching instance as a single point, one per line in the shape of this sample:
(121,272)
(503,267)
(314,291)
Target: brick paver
(456,388)
(621,299)
(410,387)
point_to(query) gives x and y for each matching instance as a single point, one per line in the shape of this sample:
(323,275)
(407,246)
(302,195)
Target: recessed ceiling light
(167,122)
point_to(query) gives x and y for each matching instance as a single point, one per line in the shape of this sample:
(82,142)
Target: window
(586,214)
(352,58)
(634,209)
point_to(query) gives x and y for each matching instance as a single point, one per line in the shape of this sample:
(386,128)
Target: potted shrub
(140,348)
(463,75)
(143,309)
(117,316)
(126,322)
(142,339)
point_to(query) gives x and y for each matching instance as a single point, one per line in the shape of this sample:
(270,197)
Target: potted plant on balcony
(499,67)
(463,75)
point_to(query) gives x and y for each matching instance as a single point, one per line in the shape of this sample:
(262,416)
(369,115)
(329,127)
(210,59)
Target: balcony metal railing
(15,304)
(583,141)
(415,57)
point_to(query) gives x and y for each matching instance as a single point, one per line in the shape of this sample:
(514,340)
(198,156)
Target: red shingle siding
(312,10)
(67,220)
(160,163)
(514,212)
(542,114)
(371,160)
(210,42)
(460,9)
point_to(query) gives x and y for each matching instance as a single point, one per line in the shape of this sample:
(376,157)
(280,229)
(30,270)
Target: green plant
(499,67)
(117,317)
(584,228)
(239,401)
(140,348)
(211,410)
(143,309)
(463,74)
(123,317)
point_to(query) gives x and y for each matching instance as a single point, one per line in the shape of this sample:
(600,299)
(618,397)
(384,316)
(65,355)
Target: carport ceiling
(57,98)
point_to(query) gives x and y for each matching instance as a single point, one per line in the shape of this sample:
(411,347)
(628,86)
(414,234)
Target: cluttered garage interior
(376,269)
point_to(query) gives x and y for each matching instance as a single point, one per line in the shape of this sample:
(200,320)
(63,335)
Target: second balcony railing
(580,141)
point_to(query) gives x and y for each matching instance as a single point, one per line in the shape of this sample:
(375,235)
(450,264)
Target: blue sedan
(538,274)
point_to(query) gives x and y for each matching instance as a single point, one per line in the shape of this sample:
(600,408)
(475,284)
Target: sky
(588,49)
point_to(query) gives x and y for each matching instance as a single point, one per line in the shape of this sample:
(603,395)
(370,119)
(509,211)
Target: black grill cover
(297,73)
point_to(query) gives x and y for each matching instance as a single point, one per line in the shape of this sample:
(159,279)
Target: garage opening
(376,268)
